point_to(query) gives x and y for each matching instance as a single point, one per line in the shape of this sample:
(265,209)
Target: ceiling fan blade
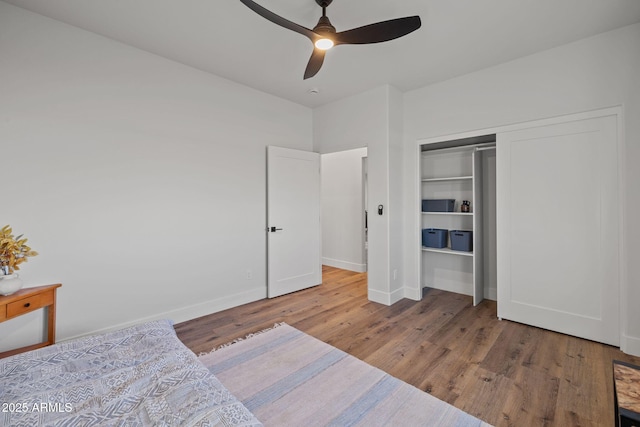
(315,63)
(265,13)
(379,32)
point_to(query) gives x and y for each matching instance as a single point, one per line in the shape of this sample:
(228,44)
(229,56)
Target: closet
(545,217)
(457,209)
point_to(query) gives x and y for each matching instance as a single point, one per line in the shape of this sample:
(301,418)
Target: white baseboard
(491,293)
(386,298)
(345,265)
(379,297)
(396,295)
(413,293)
(190,312)
(630,345)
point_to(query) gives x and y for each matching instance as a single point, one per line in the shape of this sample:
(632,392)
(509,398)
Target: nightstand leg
(51,321)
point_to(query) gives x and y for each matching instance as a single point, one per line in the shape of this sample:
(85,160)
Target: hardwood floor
(505,373)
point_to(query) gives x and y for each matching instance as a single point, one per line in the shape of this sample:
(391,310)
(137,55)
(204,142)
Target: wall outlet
(395,273)
(249,274)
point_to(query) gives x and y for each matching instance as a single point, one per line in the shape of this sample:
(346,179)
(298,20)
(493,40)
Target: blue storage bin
(434,237)
(461,240)
(438,205)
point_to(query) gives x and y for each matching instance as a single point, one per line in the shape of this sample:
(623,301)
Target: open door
(294,259)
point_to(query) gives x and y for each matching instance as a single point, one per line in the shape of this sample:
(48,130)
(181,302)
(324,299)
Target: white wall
(353,122)
(369,119)
(140,181)
(342,202)
(593,73)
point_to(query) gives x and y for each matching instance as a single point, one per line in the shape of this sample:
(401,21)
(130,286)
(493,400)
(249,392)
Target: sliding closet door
(558,228)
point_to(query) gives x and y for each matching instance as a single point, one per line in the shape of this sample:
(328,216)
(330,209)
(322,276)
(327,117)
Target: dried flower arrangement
(13,251)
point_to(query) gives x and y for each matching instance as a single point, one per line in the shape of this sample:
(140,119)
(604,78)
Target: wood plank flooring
(505,373)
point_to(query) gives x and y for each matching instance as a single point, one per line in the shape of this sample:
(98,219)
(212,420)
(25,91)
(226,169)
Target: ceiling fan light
(324,44)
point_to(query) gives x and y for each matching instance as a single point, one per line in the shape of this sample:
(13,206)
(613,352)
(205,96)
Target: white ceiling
(226,38)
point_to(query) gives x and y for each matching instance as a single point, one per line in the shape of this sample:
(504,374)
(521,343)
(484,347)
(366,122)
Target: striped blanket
(287,378)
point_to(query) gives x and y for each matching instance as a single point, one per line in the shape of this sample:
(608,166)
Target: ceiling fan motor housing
(324,3)
(324,26)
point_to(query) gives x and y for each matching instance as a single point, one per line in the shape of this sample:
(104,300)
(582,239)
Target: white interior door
(558,228)
(293,221)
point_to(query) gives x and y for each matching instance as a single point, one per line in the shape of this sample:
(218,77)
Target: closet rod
(459,148)
(492,147)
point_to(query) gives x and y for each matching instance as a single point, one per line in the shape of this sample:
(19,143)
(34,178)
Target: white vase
(10,284)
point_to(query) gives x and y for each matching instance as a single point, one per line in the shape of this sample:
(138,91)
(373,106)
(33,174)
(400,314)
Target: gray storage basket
(434,238)
(461,240)
(438,205)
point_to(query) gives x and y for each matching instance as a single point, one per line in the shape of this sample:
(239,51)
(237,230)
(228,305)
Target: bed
(145,376)
(138,376)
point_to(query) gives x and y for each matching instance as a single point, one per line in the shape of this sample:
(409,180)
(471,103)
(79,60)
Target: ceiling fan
(324,35)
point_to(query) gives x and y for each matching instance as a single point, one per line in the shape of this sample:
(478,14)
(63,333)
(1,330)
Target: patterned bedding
(138,376)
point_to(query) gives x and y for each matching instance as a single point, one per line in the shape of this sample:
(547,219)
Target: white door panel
(558,228)
(293,220)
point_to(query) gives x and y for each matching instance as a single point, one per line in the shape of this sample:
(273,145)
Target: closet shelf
(449,178)
(447,251)
(449,213)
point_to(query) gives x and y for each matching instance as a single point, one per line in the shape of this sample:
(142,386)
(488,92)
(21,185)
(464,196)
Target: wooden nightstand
(25,301)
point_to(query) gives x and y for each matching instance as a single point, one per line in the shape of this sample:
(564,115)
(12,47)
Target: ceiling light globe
(324,44)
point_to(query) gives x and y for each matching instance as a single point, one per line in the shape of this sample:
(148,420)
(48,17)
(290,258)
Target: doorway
(343,209)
